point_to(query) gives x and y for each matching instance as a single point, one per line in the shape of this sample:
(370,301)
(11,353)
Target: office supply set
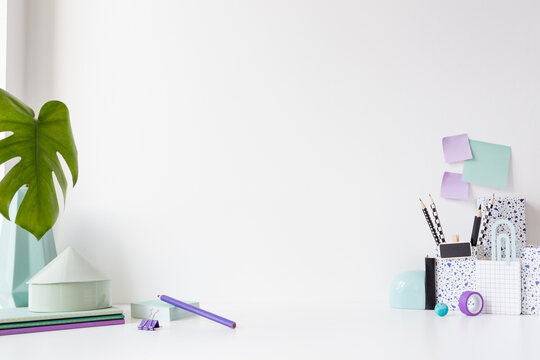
(70,293)
(454,249)
(183,309)
(40,291)
(494,271)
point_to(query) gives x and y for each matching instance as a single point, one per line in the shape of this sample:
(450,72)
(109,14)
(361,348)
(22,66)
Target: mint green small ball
(441,309)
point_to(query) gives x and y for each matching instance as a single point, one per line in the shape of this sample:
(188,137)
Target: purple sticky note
(453,188)
(456,148)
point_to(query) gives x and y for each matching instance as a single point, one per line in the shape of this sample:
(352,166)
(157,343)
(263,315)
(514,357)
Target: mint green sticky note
(489,165)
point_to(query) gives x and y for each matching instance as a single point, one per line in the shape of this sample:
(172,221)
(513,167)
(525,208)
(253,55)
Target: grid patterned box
(508,208)
(530,280)
(499,282)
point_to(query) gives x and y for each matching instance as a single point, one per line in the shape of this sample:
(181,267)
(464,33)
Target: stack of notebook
(21,321)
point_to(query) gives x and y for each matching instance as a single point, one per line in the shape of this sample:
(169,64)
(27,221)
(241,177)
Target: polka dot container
(530,280)
(508,208)
(453,277)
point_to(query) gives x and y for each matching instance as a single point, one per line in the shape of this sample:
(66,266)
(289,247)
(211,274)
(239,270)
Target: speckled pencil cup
(453,277)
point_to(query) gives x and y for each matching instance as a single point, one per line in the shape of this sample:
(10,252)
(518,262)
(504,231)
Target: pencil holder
(504,208)
(530,280)
(453,277)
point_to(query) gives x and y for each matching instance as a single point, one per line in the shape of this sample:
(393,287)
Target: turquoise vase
(21,257)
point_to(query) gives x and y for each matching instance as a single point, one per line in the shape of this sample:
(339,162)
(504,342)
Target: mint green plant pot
(21,257)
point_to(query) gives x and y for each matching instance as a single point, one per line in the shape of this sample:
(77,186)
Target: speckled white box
(530,280)
(453,277)
(511,209)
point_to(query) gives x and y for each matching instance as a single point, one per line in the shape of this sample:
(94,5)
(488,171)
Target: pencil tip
(479,207)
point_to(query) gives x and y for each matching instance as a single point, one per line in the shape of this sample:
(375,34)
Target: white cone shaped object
(69,283)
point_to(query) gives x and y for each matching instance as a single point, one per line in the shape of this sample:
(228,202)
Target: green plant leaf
(37,142)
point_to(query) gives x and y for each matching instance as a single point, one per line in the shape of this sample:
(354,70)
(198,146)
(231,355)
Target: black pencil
(430,224)
(476,226)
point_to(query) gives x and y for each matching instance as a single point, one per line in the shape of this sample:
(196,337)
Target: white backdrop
(276,150)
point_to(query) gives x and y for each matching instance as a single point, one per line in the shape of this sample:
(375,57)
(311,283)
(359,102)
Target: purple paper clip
(149,324)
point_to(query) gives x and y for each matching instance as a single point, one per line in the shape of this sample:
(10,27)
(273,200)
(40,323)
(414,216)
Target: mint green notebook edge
(159,303)
(141,310)
(17,315)
(59,321)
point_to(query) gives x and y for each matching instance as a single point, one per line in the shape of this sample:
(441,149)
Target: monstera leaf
(37,142)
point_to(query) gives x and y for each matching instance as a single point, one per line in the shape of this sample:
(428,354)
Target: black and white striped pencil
(486,220)
(436,217)
(430,224)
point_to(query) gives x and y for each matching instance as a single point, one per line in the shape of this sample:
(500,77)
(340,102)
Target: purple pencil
(201,312)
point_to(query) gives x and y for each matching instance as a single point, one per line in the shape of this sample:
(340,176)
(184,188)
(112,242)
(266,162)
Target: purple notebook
(61,327)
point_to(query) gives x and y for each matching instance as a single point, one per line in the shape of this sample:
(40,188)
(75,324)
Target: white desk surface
(337,331)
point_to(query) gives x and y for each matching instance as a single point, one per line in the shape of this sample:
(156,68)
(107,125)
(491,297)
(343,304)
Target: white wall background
(12,51)
(15,60)
(3,55)
(276,150)
(3,42)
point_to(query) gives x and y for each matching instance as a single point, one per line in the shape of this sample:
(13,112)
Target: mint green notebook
(21,314)
(26,324)
(160,310)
